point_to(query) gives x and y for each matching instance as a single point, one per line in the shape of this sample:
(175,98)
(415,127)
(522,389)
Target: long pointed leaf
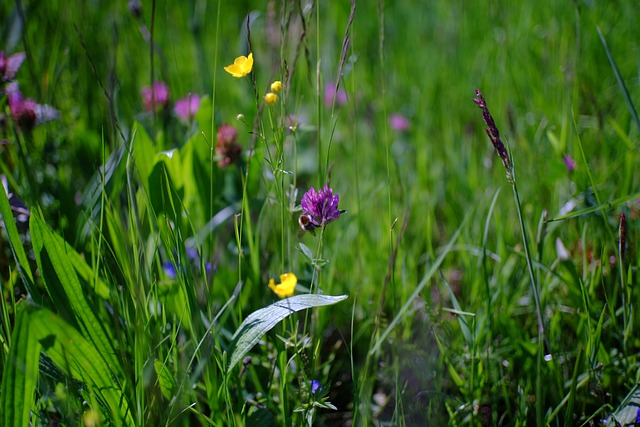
(262,321)
(38,329)
(20,374)
(16,245)
(66,292)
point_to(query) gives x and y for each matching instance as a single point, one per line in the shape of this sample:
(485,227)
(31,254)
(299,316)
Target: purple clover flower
(399,123)
(330,95)
(26,112)
(320,206)
(187,107)
(156,97)
(9,65)
(569,163)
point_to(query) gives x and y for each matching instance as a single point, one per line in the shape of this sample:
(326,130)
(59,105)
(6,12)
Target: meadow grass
(134,277)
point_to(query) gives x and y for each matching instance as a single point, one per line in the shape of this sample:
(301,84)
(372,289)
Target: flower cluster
(271,97)
(25,112)
(156,97)
(9,65)
(320,207)
(187,107)
(228,150)
(399,122)
(334,93)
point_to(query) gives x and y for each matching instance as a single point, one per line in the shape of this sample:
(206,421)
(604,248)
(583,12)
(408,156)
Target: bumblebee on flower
(319,208)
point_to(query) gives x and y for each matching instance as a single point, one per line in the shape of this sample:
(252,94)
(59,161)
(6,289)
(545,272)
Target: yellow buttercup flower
(276,86)
(241,66)
(271,98)
(286,286)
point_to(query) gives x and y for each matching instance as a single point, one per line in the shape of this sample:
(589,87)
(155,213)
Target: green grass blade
(623,86)
(597,208)
(66,292)
(425,280)
(16,246)
(568,419)
(74,354)
(20,374)
(262,321)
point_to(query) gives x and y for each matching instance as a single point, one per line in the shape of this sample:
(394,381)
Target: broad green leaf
(20,374)
(165,379)
(82,268)
(262,321)
(38,329)
(627,412)
(16,245)
(66,292)
(142,154)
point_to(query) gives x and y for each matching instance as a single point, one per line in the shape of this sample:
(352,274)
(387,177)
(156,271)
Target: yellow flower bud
(240,117)
(271,98)
(276,86)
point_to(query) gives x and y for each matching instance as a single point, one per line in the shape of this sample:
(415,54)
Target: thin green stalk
(536,297)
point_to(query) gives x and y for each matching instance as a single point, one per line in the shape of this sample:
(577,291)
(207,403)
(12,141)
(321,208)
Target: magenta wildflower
(9,65)
(26,112)
(399,122)
(330,95)
(227,149)
(156,97)
(187,107)
(569,163)
(320,207)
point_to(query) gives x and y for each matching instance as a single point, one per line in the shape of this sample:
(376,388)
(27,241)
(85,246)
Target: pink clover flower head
(330,92)
(187,107)
(227,149)
(399,123)
(27,113)
(156,97)
(9,65)
(320,206)
(569,163)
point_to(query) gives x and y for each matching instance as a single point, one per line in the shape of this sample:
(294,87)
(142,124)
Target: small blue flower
(315,386)
(169,269)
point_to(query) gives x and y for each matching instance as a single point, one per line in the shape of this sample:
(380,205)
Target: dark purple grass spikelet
(321,206)
(493,133)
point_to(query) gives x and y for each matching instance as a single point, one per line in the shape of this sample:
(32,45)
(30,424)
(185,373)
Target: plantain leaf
(165,379)
(262,321)
(38,329)
(66,292)
(20,374)
(16,245)
(628,412)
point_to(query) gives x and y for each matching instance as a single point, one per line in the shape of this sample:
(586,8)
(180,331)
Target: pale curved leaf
(262,321)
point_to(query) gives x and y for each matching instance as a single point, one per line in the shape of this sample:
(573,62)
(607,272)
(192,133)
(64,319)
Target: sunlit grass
(173,232)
